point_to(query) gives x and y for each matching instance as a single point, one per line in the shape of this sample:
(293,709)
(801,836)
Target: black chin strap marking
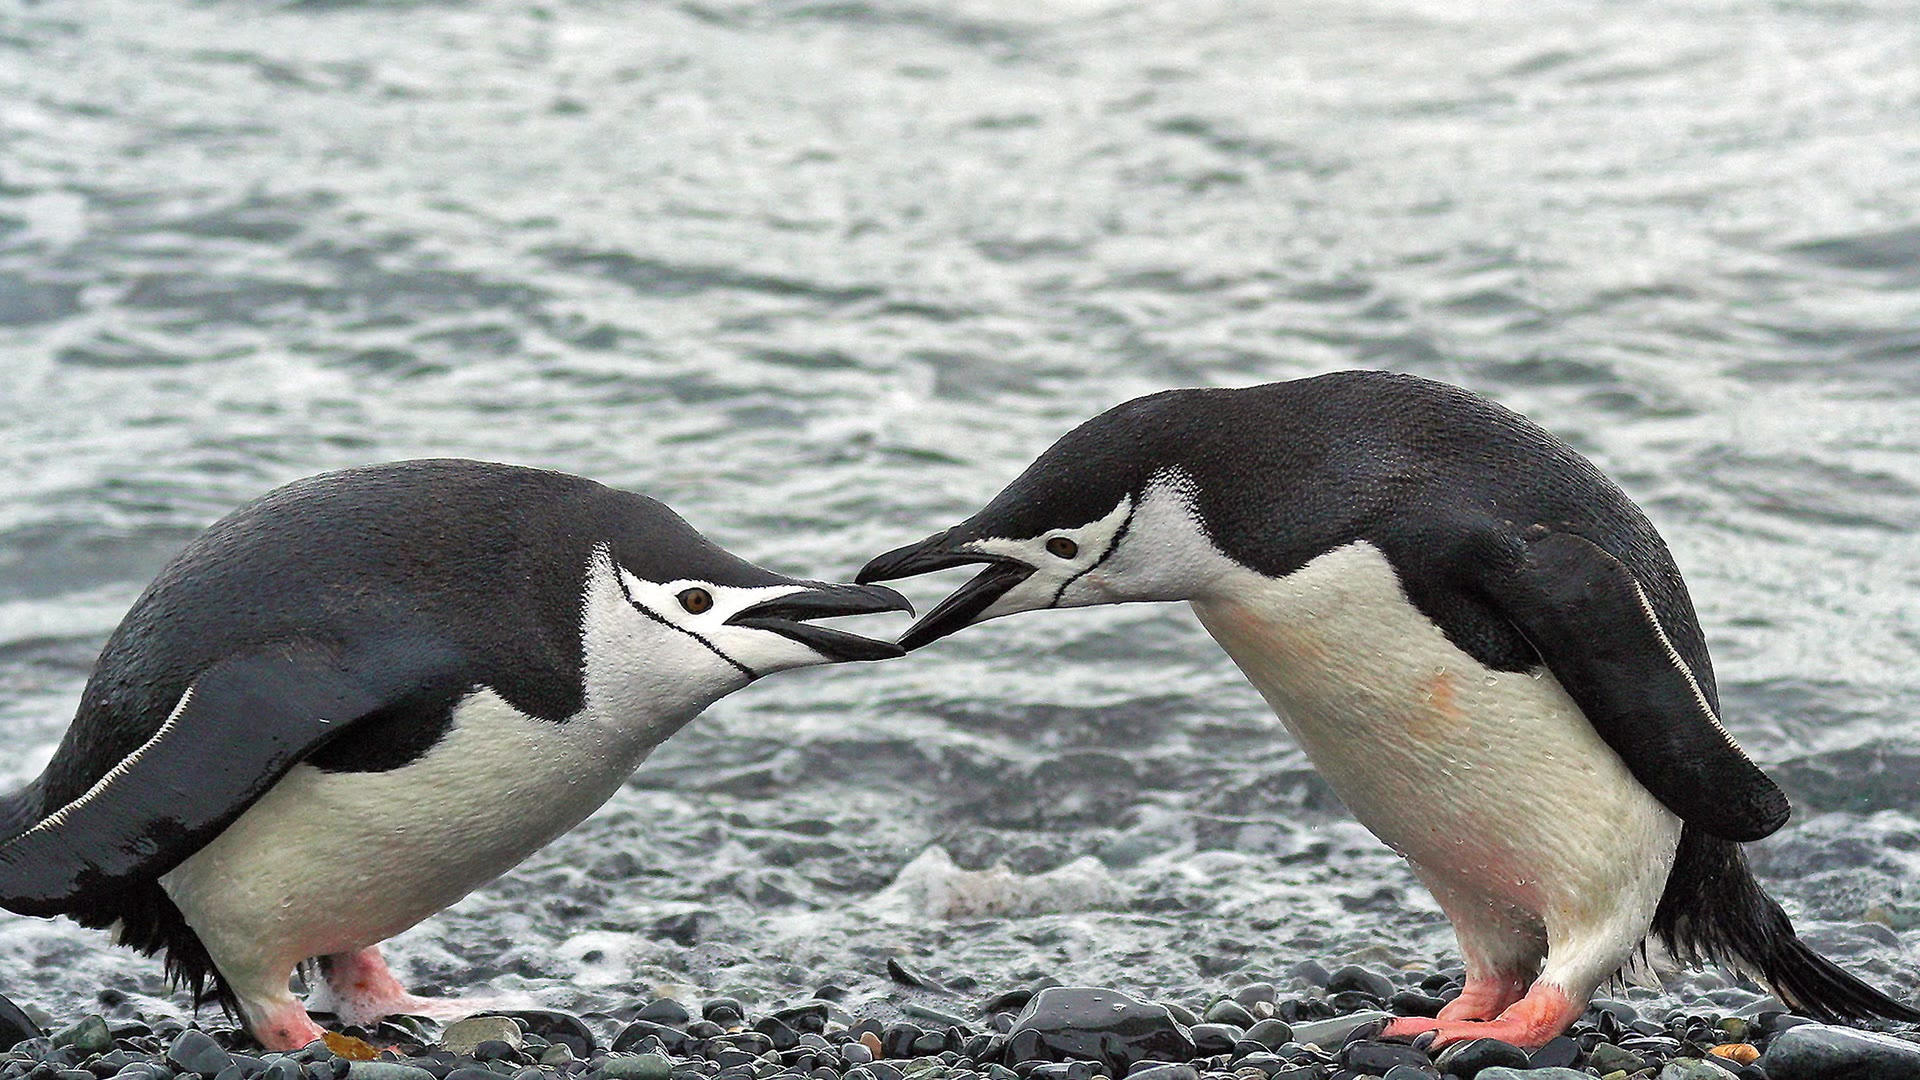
(620,576)
(1112,546)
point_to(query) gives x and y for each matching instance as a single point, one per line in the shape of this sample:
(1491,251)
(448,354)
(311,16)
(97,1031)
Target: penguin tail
(19,811)
(1713,911)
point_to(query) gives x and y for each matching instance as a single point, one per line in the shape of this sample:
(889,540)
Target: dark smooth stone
(1408,1072)
(1559,1052)
(1437,982)
(665,1011)
(1310,972)
(1300,1071)
(1824,1052)
(1414,1003)
(1064,1070)
(1011,1001)
(807,1019)
(1254,993)
(1347,1001)
(1376,1058)
(907,976)
(885,1070)
(1466,1059)
(493,1050)
(1148,1070)
(753,1042)
(1353,977)
(1619,1010)
(1229,1011)
(195,1051)
(779,1035)
(831,992)
(724,1011)
(930,1017)
(1067,1023)
(1270,1033)
(1210,1039)
(1265,1061)
(1329,1034)
(1180,1013)
(978,1047)
(929,1044)
(673,1039)
(1606,1058)
(898,1039)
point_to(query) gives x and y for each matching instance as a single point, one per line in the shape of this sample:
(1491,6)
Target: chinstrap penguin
(1476,637)
(351,702)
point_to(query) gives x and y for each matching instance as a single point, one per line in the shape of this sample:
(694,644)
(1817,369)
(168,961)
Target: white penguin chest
(328,861)
(1475,775)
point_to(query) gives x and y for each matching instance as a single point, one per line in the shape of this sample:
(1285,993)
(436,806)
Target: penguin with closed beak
(351,702)
(1474,635)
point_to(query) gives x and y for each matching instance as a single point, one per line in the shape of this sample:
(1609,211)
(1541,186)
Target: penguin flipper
(242,724)
(1634,687)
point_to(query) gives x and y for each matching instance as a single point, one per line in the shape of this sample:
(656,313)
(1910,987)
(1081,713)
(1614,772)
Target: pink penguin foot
(361,989)
(1545,1012)
(286,1027)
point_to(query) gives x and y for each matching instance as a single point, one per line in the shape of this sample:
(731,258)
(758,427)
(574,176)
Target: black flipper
(246,720)
(1597,632)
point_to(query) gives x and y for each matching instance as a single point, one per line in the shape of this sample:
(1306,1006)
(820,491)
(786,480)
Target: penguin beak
(966,603)
(787,616)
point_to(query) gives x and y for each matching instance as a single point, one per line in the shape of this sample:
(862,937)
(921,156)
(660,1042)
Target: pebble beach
(1313,1025)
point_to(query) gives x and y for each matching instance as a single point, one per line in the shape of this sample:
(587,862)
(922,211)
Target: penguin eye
(1063,547)
(696,600)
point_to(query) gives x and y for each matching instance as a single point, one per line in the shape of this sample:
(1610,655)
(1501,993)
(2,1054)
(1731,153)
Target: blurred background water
(825,274)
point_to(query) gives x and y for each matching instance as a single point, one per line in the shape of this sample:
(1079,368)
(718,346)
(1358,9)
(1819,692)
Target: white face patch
(1152,548)
(666,647)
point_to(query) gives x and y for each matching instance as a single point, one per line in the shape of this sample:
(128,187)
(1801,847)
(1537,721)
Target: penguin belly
(1492,784)
(331,862)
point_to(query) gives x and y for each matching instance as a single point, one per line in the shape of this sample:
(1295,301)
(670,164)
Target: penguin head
(1107,515)
(671,619)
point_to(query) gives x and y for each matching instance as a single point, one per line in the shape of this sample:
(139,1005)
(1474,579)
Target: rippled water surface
(824,276)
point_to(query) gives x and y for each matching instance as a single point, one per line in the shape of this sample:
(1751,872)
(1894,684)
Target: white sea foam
(933,886)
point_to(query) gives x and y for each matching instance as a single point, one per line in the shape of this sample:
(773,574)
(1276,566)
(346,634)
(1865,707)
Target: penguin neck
(643,680)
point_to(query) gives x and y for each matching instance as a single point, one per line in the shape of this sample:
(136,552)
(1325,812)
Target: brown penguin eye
(696,600)
(1063,547)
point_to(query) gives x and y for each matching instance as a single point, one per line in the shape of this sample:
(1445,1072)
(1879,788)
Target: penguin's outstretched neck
(1714,911)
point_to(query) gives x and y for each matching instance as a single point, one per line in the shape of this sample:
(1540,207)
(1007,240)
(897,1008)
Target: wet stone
(1270,1033)
(1146,1070)
(1066,1023)
(89,1036)
(1468,1059)
(637,1067)
(195,1051)
(725,1011)
(1415,1003)
(1229,1011)
(1501,1072)
(1331,1033)
(673,1039)
(1694,1069)
(1606,1058)
(1211,1039)
(386,1070)
(465,1036)
(1408,1072)
(1823,1052)
(1559,1052)
(1354,978)
(1256,992)
(1375,1058)
(664,1011)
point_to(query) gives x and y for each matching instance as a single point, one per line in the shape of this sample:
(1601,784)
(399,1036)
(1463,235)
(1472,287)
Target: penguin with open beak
(1476,637)
(353,701)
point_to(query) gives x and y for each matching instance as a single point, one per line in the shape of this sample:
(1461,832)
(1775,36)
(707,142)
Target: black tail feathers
(1713,911)
(19,811)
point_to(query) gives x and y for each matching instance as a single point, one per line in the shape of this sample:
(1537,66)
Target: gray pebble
(465,1036)
(1501,1072)
(195,1051)
(1694,1069)
(855,1053)
(89,1036)
(1329,1034)
(283,1069)
(386,1070)
(1824,1052)
(638,1067)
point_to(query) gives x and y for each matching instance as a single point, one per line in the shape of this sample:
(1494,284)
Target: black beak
(968,601)
(787,615)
